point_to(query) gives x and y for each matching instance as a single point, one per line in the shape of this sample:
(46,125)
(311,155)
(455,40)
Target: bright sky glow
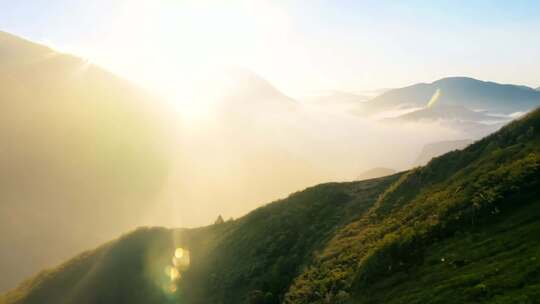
(300,46)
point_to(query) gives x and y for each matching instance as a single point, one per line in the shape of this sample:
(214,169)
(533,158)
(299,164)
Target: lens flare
(172,273)
(181,259)
(434,98)
(179,253)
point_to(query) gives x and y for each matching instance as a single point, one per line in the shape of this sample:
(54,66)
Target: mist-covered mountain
(78,147)
(470,107)
(245,91)
(459,91)
(462,229)
(82,148)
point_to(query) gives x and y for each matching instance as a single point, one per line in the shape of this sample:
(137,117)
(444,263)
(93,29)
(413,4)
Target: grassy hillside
(264,250)
(460,192)
(462,229)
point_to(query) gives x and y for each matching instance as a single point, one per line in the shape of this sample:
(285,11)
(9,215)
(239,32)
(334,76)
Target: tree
(219,220)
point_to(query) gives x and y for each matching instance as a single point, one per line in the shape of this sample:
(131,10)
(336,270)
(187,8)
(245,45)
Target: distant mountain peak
(247,82)
(241,90)
(457,79)
(463,91)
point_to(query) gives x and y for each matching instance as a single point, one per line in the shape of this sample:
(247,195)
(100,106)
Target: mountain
(246,92)
(266,248)
(78,146)
(458,91)
(462,229)
(468,106)
(376,173)
(436,149)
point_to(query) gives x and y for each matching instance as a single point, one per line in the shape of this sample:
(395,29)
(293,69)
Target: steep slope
(469,192)
(229,262)
(459,91)
(73,139)
(493,263)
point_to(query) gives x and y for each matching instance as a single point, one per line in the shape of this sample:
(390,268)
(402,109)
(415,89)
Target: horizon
(281,42)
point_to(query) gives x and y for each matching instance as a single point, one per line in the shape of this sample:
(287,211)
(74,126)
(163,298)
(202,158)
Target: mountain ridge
(465,91)
(74,139)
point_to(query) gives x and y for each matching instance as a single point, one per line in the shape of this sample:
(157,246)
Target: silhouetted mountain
(249,92)
(462,229)
(436,149)
(459,91)
(376,173)
(82,154)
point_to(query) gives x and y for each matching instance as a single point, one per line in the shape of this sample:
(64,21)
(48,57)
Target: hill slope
(462,229)
(74,138)
(264,250)
(467,192)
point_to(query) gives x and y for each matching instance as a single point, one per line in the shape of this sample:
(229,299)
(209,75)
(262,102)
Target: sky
(299,46)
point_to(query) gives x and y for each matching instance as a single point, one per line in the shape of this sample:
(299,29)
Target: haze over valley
(105,149)
(267,152)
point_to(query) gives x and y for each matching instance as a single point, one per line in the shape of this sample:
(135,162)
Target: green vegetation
(462,229)
(237,261)
(459,192)
(263,252)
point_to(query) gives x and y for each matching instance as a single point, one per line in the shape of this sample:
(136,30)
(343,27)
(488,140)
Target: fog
(86,156)
(252,148)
